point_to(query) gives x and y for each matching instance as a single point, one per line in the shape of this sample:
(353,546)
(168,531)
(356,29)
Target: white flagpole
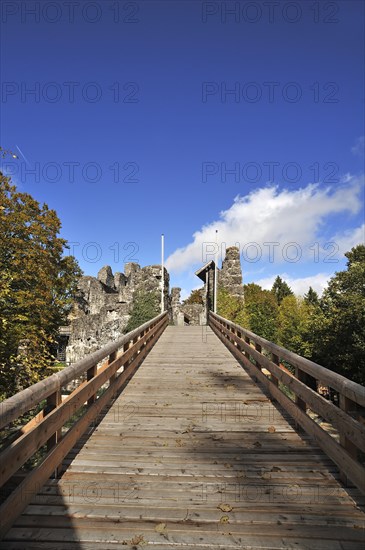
(216,272)
(162,273)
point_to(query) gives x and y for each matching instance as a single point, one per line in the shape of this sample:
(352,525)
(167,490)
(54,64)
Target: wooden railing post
(112,357)
(143,333)
(239,334)
(247,353)
(259,349)
(90,373)
(275,359)
(126,347)
(232,331)
(347,405)
(300,375)
(53,401)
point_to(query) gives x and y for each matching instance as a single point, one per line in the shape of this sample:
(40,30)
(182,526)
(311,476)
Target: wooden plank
(273,544)
(240,514)
(211,534)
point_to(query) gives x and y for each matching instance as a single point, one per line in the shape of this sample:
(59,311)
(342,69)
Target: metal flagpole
(215,271)
(162,273)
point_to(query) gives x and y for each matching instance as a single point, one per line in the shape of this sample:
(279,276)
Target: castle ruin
(103,304)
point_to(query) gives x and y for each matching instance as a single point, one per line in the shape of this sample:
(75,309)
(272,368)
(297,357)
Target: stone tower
(230,275)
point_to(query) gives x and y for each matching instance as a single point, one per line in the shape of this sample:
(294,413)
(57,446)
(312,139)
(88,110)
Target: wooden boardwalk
(193,455)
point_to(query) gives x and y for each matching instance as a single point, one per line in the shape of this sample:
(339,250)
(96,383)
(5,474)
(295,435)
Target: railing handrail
(348,418)
(350,389)
(23,401)
(47,428)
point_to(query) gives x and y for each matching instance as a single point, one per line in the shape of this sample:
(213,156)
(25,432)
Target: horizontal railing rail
(264,361)
(45,428)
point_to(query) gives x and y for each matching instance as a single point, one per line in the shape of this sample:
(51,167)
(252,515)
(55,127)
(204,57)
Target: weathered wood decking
(193,455)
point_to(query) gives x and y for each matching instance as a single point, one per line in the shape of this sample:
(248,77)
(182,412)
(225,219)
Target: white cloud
(358,148)
(350,238)
(271,215)
(298,285)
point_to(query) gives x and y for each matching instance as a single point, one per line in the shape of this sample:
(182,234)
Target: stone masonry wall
(104,303)
(230,275)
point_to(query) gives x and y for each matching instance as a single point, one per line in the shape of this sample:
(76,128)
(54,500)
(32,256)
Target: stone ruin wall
(192,314)
(103,306)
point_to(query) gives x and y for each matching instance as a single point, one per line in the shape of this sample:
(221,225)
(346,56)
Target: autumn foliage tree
(37,283)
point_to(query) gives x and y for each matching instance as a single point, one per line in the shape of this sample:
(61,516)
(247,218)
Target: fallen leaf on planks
(224,519)
(225,507)
(161,528)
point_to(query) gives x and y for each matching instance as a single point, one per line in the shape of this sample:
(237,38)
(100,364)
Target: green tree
(146,306)
(256,311)
(37,283)
(311,297)
(230,307)
(340,343)
(281,289)
(261,311)
(296,322)
(194,298)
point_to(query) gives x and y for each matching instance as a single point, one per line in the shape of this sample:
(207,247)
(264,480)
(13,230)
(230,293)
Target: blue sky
(184,117)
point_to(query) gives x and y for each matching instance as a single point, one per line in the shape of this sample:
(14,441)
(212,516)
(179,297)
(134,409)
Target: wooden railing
(264,362)
(45,429)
